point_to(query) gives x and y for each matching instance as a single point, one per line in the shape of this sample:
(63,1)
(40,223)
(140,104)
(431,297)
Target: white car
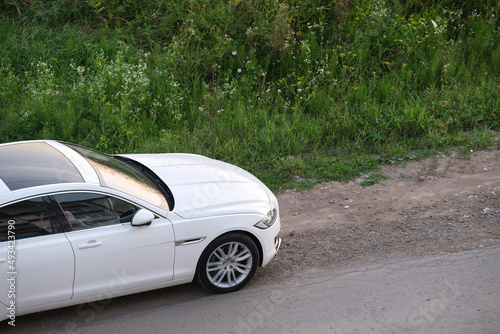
(77,225)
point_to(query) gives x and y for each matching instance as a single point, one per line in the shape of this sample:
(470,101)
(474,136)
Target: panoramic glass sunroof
(33,164)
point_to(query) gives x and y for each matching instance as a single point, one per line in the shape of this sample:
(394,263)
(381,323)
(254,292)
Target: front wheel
(228,263)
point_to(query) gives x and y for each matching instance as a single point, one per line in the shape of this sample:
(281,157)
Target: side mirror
(142,217)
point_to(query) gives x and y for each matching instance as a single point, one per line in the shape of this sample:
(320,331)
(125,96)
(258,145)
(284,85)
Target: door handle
(90,244)
(3,260)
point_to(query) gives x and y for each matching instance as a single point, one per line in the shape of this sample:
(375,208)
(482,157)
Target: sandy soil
(445,203)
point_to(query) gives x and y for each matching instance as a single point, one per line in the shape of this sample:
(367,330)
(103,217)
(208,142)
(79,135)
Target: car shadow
(70,319)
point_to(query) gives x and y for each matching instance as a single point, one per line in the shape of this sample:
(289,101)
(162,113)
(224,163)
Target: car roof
(35,163)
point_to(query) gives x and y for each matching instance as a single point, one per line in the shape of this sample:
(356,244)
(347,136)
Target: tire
(228,263)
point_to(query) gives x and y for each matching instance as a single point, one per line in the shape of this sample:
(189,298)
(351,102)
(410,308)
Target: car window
(29,219)
(89,210)
(116,175)
(25,165)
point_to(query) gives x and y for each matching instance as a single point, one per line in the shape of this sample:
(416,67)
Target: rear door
(36,259)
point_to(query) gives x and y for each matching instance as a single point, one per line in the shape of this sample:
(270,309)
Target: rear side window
(27,219)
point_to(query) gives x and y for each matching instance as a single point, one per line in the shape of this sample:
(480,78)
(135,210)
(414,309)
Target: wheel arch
(246,233)
(254,239)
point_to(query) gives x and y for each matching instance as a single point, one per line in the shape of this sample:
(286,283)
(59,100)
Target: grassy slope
(291,90)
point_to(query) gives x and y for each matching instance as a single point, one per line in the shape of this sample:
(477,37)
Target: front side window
(24,219)
(89,210)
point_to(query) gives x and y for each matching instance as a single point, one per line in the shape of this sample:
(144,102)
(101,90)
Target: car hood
(206,187)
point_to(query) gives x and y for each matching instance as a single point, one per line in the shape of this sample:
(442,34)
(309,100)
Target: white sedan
(77,225)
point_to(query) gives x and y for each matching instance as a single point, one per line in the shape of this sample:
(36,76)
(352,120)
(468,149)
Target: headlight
(268,221)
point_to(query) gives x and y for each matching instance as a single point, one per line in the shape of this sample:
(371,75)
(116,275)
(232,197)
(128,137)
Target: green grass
(373,179)
(297,92)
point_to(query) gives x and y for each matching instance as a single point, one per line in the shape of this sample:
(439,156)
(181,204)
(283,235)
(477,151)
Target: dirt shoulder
(445,203)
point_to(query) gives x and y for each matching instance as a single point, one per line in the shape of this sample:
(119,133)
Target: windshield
(116,175)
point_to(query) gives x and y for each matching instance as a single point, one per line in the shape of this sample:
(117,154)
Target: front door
(111,255)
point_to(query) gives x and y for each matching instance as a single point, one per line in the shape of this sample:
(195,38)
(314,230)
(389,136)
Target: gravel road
(445,203)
